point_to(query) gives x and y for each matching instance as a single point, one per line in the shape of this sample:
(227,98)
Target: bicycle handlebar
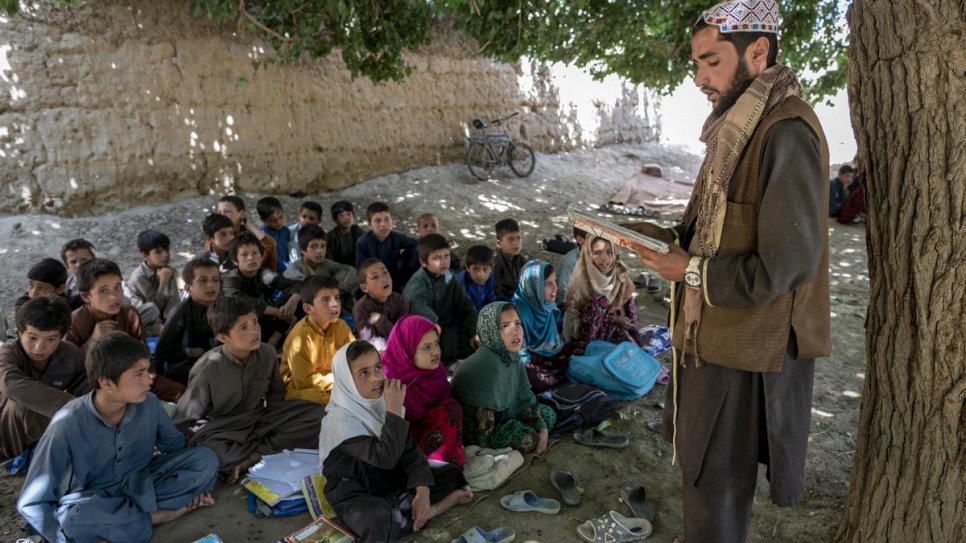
(507,118)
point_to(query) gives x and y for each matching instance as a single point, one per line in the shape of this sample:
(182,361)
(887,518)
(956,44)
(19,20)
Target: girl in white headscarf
(377,479)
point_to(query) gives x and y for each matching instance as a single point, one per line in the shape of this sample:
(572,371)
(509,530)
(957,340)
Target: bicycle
(487,150)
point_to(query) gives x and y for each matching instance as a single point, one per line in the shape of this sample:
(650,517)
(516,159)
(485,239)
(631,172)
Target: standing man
(750,260)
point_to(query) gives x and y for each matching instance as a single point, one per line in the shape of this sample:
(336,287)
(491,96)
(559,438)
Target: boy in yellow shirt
(312,343)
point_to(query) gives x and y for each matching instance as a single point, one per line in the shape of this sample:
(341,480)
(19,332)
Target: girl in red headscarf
(435,419)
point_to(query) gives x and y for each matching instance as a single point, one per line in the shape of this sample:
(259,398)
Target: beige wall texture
(106,104)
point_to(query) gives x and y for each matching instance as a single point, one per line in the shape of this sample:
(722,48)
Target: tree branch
(251,18)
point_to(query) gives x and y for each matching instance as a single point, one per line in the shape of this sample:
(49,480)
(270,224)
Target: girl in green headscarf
(499,409)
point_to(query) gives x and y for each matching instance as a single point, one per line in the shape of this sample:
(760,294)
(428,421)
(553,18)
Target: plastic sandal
(526,500)
(504,534)
(614,528)
(564,482)
(596,438)
(635,497)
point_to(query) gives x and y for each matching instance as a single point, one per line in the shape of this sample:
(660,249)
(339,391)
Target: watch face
(692,279)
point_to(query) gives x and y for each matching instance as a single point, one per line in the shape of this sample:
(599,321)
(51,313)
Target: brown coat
(754,336)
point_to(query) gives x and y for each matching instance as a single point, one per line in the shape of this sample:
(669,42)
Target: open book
(321,530)
(618,235)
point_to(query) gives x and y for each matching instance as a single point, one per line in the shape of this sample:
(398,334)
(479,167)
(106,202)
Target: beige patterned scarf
(726,137)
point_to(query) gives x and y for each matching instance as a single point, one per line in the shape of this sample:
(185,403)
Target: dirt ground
(467,210)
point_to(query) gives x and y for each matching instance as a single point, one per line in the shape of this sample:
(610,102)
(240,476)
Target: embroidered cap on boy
(744,16)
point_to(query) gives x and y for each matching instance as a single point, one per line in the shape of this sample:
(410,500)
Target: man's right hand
(394,393)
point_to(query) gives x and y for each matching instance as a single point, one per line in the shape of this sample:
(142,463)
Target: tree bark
(907,89)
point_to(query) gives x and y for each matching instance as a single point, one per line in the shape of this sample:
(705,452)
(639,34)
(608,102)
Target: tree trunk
(907,88)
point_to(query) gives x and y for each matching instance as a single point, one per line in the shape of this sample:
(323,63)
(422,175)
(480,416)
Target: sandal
(564,482)
(635,497)
(596,438)
(526,500)
(614,528)
(504,534)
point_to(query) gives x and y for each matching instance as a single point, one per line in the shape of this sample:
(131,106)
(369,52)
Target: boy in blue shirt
(95,476)
(273,223)
(477,278)
(397,251)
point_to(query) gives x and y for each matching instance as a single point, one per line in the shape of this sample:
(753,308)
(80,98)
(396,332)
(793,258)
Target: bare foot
(242,467)
(201,500)
(455,498)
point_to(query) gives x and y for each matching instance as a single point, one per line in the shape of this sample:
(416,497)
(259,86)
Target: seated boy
(99,283)
(376,312)
(186,335)
(395,250)
(509,260)
(219,233)
(477,278)
(233,207)
(427,223)
(235,402)
(313,263)
(152,287)
(307,354)
(342,239)
(309,213)
(565,266)
(74,253)
(434,293)
(95,475)
(45,278)
(270,212)
(39,373)
(259,285)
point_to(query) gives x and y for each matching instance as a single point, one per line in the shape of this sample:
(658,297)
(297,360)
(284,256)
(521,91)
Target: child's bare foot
(457,497)
(201,500)
(242,467)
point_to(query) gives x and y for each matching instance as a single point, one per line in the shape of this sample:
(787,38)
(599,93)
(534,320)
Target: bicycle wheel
(521,158)
(480,160)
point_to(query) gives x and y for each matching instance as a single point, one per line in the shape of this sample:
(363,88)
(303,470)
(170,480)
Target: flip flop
(526,500)
(595,438)
(564,482)
(504,534)
(635,497)
(614,528)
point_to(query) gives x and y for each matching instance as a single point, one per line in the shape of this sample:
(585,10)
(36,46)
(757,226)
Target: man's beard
(739,85)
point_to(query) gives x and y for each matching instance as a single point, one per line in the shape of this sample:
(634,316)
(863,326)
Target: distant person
(152,286)
(219,233)
(509,258)
(477,279)
(343,237)
(839,189)
(186,335)
(397,251)
(310,213)
(48,277)
(314,262)
(427,223)
(74,253)
(233,207)
(378,310)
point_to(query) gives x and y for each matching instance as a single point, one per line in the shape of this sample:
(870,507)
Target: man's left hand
(670,266)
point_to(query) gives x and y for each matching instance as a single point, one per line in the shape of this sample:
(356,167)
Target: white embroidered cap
(744,16)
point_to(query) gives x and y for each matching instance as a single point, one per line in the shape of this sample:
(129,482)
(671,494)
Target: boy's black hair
(90,271)
(46,314)
(741,40)
(245,238)
(266,206)
(340,206)
(429,243)
(314,207)
(479,254)
(193,265)
(223,313)
(506,226)
(235,201)
(50,271)
(364,268)
(309,233)
(311,286)
(113,355)
(358,348)
(152,239)
(215,222)
(376,207)
(846,168)
(578,233)
(75,245)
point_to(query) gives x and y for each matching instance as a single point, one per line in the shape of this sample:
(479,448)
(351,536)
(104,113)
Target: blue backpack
(624,371)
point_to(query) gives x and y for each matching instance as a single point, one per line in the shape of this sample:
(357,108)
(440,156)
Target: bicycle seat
(478,124)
